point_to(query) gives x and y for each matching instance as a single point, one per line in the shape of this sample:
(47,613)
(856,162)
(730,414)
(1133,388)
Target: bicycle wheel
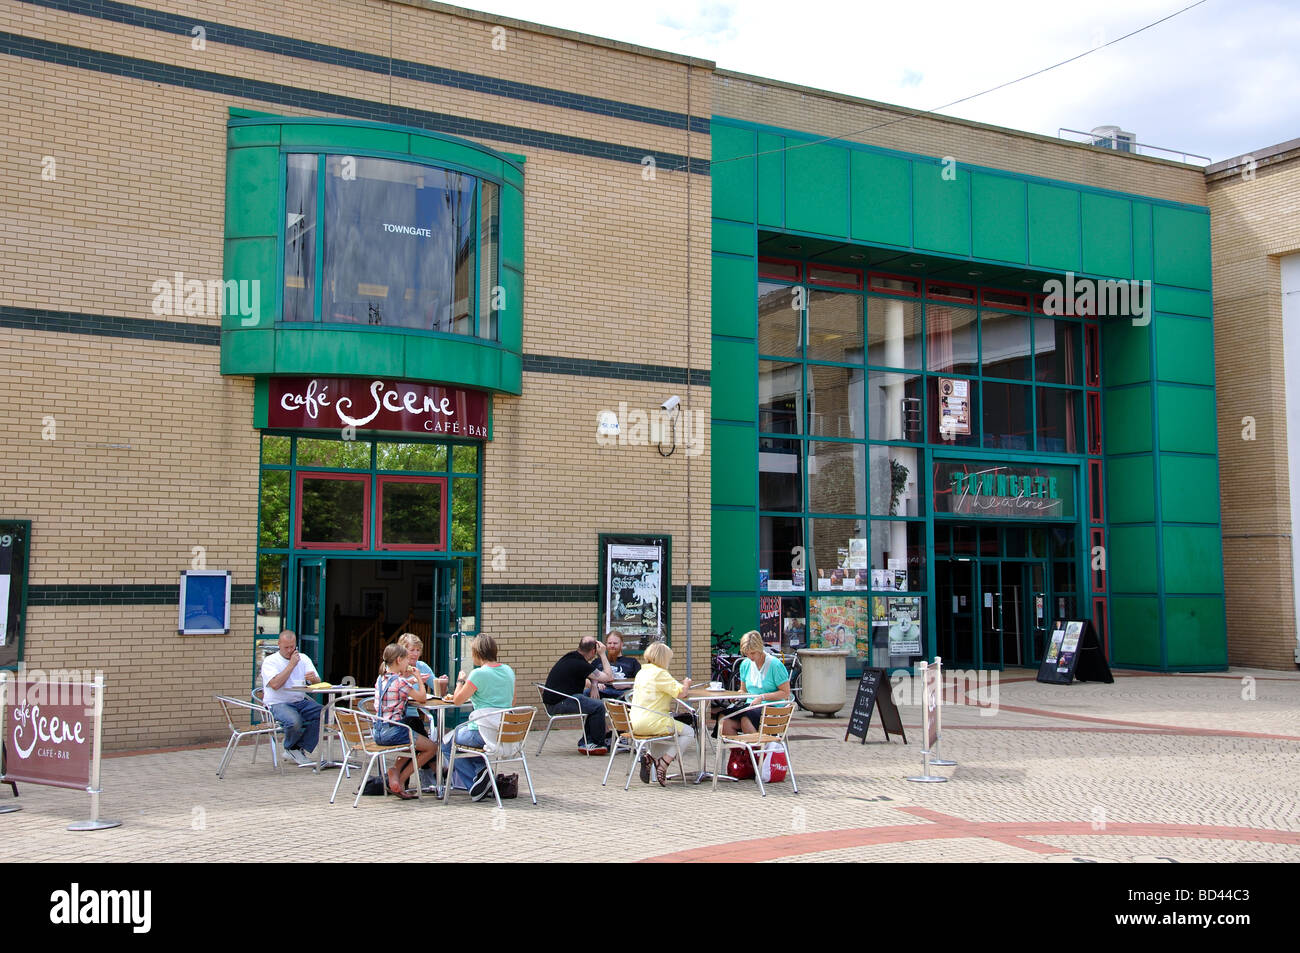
(796,680)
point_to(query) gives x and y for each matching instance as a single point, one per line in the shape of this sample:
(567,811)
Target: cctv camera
(671,403)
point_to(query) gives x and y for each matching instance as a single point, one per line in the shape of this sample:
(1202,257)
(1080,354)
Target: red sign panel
(363,403)
(49,733)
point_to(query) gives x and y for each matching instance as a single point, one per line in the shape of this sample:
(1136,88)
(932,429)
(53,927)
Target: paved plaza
(1157,768)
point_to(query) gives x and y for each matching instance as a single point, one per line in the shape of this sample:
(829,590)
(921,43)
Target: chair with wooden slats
(620,718)
(512,734)
(772,729)
(356,732)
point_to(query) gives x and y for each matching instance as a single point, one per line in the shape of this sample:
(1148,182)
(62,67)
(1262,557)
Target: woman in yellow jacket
(652,695)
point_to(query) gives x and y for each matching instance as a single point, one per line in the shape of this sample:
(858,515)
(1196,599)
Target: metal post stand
(96,823)
(940,762)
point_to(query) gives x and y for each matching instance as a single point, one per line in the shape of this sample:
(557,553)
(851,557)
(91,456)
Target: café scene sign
(339,403)
(971,488)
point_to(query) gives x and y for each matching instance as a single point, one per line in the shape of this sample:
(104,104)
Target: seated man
(569,676)
(623,667)
(299,715)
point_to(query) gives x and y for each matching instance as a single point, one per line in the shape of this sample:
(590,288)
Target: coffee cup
(715,686)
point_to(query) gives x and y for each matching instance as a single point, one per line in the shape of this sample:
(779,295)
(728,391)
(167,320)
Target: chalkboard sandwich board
(870,697)
(1074,652)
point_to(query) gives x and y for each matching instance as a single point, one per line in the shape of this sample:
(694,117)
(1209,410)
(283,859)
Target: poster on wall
(15,537)
(6,568)
(905,625)
(634,591)
(954,407)
(769,619)
(841,623)
(204,602)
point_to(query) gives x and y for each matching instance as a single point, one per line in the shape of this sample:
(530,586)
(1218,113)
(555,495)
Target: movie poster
(633,588)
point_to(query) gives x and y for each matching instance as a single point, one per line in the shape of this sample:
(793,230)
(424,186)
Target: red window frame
(909,279)
(1099,621)
(973,300)
(1098,538)
(854,274)
(1039,302)
(1094,422)
(1002,305)
(362,478)
(1092,354)
(796,265)
(384,478)
(1097,492)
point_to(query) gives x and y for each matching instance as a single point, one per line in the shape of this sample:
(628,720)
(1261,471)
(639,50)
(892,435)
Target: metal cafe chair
(356,732)
(263,723)
(512,735)
(555,696)
(772,729)
(620,717)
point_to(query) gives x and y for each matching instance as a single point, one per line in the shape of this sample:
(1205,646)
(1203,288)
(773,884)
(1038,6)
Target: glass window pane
(468,611)
(835,327)
(793,623)
(399,245)
(899,547)
(837,477)
(464,515)
(1056,351)
(1008,423)
(780,474)
(464,459)
(270,594)
(829,549)
(411,513)
(840,622)
(835,402)
(488,243)
(893,333)
(1004,340)
(273,531)
(780,396)
(778,538)
(1058,420)
(950,339)
(896,412)
(345,454)
(411,456)
(276,449)
(779,323)
(333,511)
(300,238)
(896,482)
(936,416)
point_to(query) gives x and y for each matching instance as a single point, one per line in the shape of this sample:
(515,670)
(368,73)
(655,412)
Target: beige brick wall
(1254,221)
(140,193)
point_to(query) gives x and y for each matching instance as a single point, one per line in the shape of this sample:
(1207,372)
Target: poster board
(769,619)
(1074,652)
(871,698)
(204,602)
(635,588)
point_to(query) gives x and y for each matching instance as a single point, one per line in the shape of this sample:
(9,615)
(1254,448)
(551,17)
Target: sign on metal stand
(929,719)
(44,725)
(938,716)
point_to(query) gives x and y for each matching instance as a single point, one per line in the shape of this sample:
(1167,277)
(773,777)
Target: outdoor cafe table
(327,730)
(702,696)
(438,708)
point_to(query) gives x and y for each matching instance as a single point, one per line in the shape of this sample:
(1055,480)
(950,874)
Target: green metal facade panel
(1185,349)
(1054,227)
(1132,559)
(1127,418)
(1135,630)
(1187,419)
(734,380)
(771,180)
(733,179)
(941,209)
(1189,489)
(1143,269)
(735,307)
(1196,636)
(1107,235)
(999,226)
(734,551)
(736,613)
(880,207)
(817,189)
(1199,304)
(1125,353)
(1182,247)
(255,146)
(734,462)
(1193,559)
(1130,490)
(734,238)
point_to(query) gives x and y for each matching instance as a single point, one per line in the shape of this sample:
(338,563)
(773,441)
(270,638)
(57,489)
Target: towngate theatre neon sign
(1002,490)
(406,407)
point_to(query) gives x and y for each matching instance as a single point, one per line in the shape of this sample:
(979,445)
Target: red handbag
(739,766)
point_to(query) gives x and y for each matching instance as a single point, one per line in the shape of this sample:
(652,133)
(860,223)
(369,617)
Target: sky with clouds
(1221,79)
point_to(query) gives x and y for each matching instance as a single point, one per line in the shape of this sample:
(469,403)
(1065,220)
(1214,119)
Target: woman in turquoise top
(766,679)
(488,688)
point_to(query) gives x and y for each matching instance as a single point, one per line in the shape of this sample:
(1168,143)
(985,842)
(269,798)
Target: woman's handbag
(739,765)
(773,765)
(508,786)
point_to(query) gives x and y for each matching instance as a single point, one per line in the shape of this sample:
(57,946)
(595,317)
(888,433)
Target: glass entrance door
(311,597)
(445,650)
(955,591)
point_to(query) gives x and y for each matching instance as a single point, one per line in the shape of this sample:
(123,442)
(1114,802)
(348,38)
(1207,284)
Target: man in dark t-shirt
(571,676)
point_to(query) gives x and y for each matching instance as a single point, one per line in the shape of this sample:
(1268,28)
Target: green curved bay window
(377,250)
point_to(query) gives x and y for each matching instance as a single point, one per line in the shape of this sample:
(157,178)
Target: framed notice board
(1073,653)
(15,537)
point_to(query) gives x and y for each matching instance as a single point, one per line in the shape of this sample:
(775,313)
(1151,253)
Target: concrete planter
(825,689)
